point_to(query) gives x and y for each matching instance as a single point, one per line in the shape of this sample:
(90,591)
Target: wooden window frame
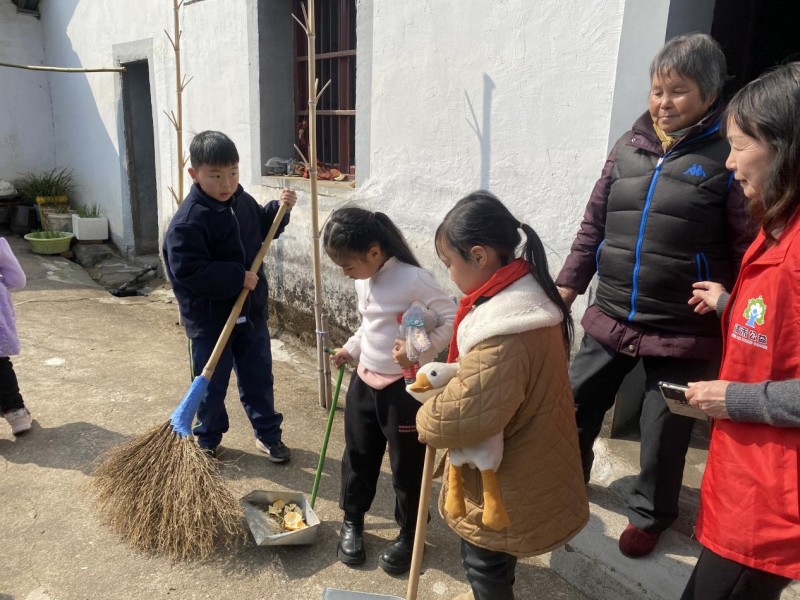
(335,61)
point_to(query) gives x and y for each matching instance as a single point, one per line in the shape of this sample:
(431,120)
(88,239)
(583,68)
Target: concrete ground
(96,369)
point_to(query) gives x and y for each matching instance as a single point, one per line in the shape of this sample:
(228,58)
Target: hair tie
(520,225)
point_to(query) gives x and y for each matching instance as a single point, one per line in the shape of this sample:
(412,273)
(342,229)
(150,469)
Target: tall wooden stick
(422,524)
(323,368)
(176,118)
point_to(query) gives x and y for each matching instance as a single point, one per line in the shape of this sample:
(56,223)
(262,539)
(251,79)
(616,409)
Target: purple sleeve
(580,266)
(11,272)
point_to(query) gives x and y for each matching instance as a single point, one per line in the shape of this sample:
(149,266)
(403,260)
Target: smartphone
(673,391)
(675,397)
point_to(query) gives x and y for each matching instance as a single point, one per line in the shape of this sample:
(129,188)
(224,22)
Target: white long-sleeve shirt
(385,295)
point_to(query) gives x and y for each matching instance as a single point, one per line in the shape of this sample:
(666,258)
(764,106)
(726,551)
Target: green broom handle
(324,450)
(208,370)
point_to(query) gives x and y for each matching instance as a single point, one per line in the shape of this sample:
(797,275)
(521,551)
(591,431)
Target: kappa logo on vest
(754,313)
(696,170)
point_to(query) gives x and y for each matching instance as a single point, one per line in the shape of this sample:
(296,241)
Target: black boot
(396,559)
(351,541)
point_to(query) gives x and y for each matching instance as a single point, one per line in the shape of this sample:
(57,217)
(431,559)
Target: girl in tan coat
(511,338)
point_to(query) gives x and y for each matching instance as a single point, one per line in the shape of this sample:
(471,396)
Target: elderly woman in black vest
(664,214)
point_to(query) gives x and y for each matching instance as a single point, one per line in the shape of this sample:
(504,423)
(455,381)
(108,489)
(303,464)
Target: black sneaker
(276,452)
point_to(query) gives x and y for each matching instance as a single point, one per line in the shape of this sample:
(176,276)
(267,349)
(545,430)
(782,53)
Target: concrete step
(121,276)
(592,562)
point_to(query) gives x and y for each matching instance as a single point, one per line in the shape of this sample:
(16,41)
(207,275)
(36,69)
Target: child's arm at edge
(12,274)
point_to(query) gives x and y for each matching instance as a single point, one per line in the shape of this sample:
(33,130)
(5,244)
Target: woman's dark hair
(480,219)
(352,230)
(768,109)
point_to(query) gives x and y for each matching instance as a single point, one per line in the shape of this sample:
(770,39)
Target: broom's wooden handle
(208,370)
(422,523)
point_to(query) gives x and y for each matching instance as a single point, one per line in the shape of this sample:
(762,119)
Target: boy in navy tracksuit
(209,247)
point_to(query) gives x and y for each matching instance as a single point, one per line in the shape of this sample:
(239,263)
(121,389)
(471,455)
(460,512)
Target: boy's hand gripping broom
(159,491)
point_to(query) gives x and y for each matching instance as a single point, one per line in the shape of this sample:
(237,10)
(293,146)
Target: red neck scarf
(500,280)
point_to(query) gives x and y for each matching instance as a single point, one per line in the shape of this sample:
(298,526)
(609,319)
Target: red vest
(750,507)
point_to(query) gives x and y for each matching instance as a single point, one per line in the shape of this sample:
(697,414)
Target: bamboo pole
(65,69)
(176,118)
(323,367)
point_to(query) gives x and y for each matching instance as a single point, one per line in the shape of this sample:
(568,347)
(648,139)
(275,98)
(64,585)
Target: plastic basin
(55,245)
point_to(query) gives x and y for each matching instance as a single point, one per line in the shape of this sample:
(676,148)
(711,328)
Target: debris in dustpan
(286,516)
(260,508)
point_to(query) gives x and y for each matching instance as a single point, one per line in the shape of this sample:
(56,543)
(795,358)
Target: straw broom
(159,491)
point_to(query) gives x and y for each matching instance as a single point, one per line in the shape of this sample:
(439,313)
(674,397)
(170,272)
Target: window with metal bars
(335,61)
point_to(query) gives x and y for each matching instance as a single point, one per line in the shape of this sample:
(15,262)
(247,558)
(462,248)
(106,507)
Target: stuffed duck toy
(486,456)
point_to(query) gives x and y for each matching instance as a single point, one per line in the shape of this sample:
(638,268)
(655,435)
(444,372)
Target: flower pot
(90,228)
(49,245)
(59,221)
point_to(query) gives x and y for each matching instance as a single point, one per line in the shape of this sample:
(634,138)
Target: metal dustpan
(333,594)
(255,505)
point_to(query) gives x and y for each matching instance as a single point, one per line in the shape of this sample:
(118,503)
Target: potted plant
(89,225)
(46,190)
(49,242)
(59,218)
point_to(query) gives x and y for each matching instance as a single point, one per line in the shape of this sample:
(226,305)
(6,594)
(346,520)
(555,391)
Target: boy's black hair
(352,230)
(481,219)
(212,148)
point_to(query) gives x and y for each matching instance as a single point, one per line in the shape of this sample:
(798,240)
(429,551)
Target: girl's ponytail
(480,219)
(534,253)
(352,230)
(392,240)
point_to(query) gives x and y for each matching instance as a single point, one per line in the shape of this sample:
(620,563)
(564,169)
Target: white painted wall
(516,96)
(87,108)
(638,45)
(26,118)
(512,96)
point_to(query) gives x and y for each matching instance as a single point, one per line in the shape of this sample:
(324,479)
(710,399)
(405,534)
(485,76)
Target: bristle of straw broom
(163,495)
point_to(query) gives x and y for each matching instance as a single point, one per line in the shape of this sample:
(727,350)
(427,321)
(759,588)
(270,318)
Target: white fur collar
(522,306)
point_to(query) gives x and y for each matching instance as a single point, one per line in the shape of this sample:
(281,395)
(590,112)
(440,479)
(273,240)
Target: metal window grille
(336,61)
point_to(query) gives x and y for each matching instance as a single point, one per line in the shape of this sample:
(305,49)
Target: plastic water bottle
(409,372)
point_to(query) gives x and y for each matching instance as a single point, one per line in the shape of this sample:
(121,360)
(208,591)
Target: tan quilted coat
(512,378)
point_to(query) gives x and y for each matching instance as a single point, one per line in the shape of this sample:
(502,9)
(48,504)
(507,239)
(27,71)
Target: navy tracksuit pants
(248,354)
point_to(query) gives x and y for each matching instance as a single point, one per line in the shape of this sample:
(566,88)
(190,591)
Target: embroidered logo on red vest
(754,313)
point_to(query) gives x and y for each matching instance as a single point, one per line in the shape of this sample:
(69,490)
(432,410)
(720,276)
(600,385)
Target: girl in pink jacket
(11,405)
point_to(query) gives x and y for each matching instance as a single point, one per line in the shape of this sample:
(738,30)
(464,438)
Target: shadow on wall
(483,130)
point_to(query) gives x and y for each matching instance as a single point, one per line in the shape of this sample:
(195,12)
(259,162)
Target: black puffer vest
(665,229)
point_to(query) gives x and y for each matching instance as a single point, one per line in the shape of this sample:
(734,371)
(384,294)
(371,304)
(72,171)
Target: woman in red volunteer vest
(749,522)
